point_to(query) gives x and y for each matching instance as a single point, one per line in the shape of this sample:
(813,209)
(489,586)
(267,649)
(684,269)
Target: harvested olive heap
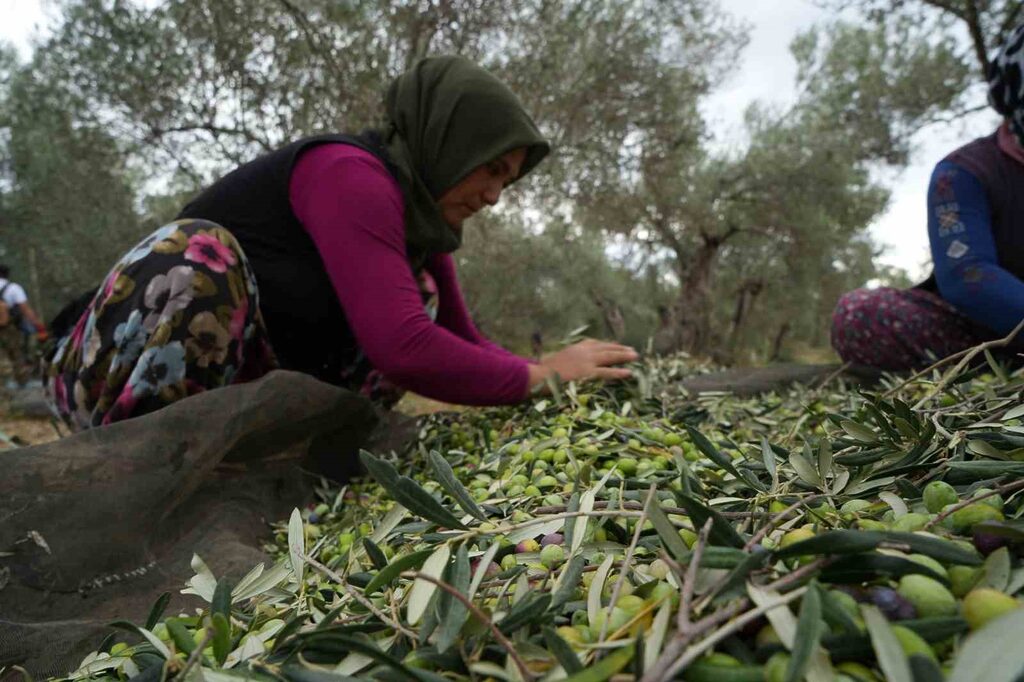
(637,532)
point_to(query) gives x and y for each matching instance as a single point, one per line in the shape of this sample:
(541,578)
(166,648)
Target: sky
(767,74)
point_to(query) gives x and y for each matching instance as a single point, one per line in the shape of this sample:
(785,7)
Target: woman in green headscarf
(320,257)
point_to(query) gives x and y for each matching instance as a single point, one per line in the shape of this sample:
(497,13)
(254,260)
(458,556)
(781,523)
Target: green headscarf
(447,116)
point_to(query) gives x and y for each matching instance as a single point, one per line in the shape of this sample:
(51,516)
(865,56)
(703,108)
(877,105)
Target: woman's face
(480,188)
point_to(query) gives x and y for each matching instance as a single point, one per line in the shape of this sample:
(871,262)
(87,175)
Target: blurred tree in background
(67,206)
(639,225)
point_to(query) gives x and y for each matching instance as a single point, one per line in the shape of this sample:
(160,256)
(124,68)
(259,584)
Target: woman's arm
(452,313)
(352,208)
(963,250)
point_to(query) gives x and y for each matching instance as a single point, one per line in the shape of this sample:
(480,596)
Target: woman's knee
(859,306)
(860,319)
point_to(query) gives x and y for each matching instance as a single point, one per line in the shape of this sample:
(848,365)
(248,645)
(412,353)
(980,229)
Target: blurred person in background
(17,320)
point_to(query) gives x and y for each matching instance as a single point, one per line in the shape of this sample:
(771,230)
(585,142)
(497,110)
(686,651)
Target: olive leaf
(809,629)
(860,568)
(888,650)
(899,507)
(925,669)
(768,457)
(568,581)
(446,477)
(147,634)
(569,527)
(159,606)
(350,643)
(407,492)
(482,568)
(406,562)
(529,610)
(722,532)
(180,635)
(422,590)
(453,616)
(855,541)
(825,458)
(587,501)
(993,653)
(296,545)
(222,598)
(221,637)
(597,587)
(670,538)
(804,469)
(377,557)
(606,667)
(858,431)
(997,569)
(564,654)
(656,634)
(295,673)
(712,453)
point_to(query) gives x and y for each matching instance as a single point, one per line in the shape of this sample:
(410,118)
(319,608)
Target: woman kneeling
(976,233)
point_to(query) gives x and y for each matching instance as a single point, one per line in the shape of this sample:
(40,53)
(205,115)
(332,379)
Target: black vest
(307,327)
(1002,176)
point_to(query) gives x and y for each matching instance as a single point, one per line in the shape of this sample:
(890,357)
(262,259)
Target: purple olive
(314,518)
(530,545)
(891,603)
(492,569)
(552,539)
(986,543)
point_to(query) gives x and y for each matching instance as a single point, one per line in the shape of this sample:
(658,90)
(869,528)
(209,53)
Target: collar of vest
(1008,143)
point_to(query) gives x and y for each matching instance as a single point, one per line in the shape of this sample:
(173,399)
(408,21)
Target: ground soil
(25,431)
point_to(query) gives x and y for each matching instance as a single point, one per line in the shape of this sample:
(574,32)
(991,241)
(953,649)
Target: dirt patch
(23,429)
(26,431)
(416,405)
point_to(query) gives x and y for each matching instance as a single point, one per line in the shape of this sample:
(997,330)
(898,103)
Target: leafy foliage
(754,572)
(66,202)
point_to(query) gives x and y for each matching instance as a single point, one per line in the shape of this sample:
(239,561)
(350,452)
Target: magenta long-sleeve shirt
(352,208)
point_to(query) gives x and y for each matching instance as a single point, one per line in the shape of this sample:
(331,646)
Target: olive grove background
(636,226)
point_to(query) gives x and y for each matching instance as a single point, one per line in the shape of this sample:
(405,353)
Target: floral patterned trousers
(899,329)
(177,315)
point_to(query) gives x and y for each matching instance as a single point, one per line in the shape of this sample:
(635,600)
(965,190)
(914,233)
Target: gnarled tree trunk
(746,295)
(691,312)
(611,313)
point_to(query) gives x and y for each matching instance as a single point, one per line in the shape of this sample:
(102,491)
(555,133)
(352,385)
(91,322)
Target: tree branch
(312,39)
(156,133)
(955,115)
(664,230)
(947,7)
(977,36)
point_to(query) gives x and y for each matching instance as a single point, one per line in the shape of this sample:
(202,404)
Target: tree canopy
(127,108)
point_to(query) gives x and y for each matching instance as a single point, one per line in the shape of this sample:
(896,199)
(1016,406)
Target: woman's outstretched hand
(589,359)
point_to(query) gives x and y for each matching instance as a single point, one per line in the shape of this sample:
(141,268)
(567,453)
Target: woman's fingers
(594,344)
(591,359)
(614,356)
(608,373)
(609,345)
